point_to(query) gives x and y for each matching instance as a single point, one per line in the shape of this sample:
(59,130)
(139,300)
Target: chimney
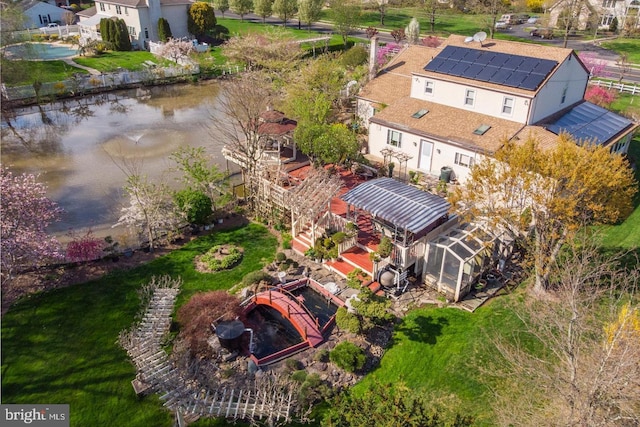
(373,57)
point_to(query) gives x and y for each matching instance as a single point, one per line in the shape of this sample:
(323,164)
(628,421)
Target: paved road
(610,57)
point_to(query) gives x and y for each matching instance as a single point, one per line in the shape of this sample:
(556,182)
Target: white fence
(80,84)
(633,89)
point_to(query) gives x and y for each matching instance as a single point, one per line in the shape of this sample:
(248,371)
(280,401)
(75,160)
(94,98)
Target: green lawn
(630,47)
(60,347)
(626,236)
(19,73)
(441,351)
(112,60)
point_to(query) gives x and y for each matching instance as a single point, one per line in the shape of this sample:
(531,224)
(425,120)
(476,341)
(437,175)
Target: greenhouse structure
(457,258)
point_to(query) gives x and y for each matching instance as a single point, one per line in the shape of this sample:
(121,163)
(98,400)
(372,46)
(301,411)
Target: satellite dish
(480,37)
(468,39)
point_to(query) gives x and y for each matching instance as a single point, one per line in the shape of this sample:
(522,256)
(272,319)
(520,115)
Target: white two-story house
(141,17)
(446,107)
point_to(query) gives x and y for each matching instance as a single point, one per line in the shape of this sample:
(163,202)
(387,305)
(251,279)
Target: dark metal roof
(493,67)
(400,204)
(589,122)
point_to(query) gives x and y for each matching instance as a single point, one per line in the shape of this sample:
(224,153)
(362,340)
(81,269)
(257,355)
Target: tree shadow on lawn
(423,328)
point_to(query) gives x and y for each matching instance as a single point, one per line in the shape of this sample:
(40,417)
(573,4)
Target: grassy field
(112,60)
(19,73)
(629,47)
(441,351)
(60,347)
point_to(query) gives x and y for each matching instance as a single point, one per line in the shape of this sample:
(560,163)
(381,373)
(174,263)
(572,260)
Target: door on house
(426,152)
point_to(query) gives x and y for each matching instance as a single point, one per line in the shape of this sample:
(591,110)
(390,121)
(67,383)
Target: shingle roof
(394,81)
(407,207)
(449,124)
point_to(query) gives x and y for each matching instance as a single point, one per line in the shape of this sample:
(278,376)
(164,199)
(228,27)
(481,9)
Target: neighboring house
(605,12)
(141,17)
(39,13)
(443,109)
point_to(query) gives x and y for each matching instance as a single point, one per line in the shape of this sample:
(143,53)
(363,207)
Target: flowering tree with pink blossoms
(594,65)
(600,96)
(175,49)
(84,247)
(386,52)
(26,212)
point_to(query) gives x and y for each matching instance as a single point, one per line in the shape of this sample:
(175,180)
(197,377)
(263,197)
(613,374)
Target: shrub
(299,376)
(321,355)
(293,364)
(256,277)
(195,204)
(348,356)
(286,240)
(355,278)
(600,96)
(339,237)
(220,32)
(385,247)
(348,321)
(353,57)
(84,248)
(215,262)
(164,30)
(313,390)
(199,312)
(281,257)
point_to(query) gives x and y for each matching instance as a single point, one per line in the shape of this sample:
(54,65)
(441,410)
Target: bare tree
(572,12)
(489,9)
(577,362)
(236,124)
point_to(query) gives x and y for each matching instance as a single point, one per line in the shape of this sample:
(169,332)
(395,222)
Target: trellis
(157,374)
(403,160)
(312,199)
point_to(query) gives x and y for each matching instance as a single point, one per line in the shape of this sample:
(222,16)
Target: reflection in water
(75,145)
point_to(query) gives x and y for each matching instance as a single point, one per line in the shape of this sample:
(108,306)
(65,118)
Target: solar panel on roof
(494,67)
(500,76)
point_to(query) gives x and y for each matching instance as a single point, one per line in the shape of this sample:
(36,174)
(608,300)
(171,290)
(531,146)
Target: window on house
(101,7)
(564,95)
(507,106)
(482,129)
(394,138)
(469,97)
(428,87)
(464,160)
(606,20)
(126,11)
(146,33)
(132,31)
(419,114)
(118,10)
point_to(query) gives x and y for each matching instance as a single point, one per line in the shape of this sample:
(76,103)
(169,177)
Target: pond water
(45,51)
(82,147)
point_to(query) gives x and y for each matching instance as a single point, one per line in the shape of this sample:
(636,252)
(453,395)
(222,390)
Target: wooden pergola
(311,199)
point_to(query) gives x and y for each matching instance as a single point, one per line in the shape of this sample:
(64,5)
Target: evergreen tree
(164,30)
(122,41)
(201,18)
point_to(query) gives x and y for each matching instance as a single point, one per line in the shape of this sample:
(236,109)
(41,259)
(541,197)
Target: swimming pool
(43,51)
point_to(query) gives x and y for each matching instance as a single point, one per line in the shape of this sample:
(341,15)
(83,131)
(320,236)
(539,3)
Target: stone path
(91,71)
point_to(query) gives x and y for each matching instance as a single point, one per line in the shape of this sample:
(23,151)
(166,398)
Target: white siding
(486,101)
(569,80)
(43,13)
(442,154)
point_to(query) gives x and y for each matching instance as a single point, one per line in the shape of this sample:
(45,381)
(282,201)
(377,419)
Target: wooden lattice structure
(403,159)
(311,200)
(189,400)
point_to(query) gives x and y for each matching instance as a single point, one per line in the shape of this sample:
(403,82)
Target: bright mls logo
(35,415)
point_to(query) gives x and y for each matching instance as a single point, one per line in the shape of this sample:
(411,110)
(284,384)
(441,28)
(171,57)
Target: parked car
(543,33)
(50,26)
(502,25)
(533,20)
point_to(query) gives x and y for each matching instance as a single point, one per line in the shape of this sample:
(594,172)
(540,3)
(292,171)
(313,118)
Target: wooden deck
(304,323)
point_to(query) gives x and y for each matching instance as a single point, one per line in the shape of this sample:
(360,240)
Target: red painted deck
(358,257)
(304,323)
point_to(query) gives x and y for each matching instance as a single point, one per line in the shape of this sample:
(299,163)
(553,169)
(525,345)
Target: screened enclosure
(456,259)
